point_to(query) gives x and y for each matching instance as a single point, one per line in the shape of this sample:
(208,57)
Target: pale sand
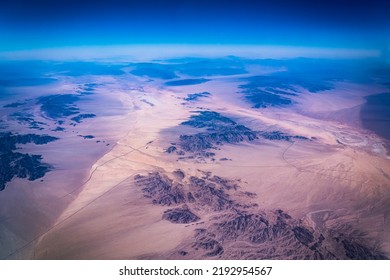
(134,153)
(29,208)
(339,178)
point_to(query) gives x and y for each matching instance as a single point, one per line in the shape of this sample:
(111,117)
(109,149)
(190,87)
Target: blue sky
(328,24)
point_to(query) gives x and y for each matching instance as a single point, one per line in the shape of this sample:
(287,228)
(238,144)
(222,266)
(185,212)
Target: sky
(359,24)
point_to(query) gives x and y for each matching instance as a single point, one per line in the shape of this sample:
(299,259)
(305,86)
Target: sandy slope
(29,208)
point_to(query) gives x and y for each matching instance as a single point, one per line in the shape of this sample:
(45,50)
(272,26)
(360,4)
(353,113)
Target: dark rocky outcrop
(357,251)
(186,82)
(179,174)
(209,195)
(242,224)
(263,99)
(266,235)
(235,228)
(203,193)
(278,135)
(227,184)
(171,149)
(87,136)
(303,235)
(8,140)
(278,88)
(80,117)
(196,96)
(160,189)
(217,131)
(14,104)
(190,197)
(59,128)
(27,119)
(181,215)
(59,105)
(206,241)
(209,119)
(16,164)
(203,141)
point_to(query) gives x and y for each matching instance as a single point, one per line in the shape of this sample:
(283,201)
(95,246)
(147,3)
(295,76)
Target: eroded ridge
(217,130)
(229,226)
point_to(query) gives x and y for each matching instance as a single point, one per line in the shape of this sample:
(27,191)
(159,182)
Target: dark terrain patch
(196,96)
(27,119)
(59,106)
(59,128)
(87,136)
(187,82)
(154,70)
(356,251)
(15,164)
(14,105)
(160,189)
(278,88)
(81,117)
(181,215)
(218,130)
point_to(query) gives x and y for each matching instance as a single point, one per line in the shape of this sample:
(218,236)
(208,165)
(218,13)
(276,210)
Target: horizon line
(166,51)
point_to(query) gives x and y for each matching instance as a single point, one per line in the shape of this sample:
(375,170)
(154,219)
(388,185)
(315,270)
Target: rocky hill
(229,226)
